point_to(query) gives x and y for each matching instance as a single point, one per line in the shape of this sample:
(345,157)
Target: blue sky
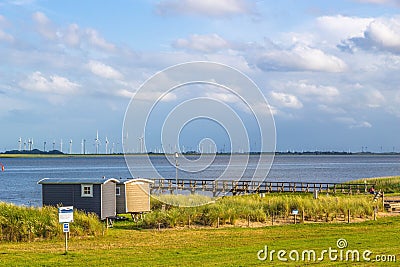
(329,69)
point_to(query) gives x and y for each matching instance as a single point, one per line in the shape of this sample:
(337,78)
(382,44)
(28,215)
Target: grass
(254,208)
(386,184)
(206,246)
(183,200)
(18,223)
(125,245)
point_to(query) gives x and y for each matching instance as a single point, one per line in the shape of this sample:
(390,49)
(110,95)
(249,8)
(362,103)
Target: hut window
(86,190)
(118,191)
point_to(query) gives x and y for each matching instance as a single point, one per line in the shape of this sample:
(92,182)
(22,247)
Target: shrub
(18,223)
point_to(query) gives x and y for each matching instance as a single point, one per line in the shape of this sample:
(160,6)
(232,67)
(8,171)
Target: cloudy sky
(329,69)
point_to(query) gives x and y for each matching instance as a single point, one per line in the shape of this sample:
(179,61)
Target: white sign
(66,214)
(66,227)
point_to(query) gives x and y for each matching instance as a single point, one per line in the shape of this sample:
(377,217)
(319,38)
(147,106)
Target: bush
(18,223)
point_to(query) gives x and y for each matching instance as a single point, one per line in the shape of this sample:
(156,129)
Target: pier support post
(348,216)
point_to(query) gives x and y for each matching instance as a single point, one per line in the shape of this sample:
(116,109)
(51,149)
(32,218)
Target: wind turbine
(141,140)
(19,144)
(29,144)
(54,144)
(97,142)
(70,146)
(84,146)
(107,145)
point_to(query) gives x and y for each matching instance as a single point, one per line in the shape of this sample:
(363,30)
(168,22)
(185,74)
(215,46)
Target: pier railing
(235,187)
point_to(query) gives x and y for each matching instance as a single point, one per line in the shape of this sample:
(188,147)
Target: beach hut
(133,196)
(95,195)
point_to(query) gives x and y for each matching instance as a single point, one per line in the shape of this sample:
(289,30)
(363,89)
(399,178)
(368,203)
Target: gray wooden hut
(133,195)
(88,194)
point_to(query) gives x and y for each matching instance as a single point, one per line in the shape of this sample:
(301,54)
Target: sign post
(65,216)
(295,213)
(66,231)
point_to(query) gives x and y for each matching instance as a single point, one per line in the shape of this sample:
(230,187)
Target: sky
(328,69)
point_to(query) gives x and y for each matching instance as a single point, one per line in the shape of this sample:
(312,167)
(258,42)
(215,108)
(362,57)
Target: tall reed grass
(254,208)
(386,184)
(19,223)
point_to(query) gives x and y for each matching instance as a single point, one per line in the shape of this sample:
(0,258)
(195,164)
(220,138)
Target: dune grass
(254,208)
(19,223)
(386,184)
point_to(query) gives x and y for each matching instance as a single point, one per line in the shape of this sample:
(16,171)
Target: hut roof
(77,180)
(135,180)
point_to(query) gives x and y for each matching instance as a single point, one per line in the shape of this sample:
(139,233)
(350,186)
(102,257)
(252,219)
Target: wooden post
(159,226)
(66,243)
(218,222)
(348,216)
(189,221)
(248,220)
(295,218)
(375,211)
(272,218)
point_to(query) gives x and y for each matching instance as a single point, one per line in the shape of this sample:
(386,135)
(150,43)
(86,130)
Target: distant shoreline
(41,154)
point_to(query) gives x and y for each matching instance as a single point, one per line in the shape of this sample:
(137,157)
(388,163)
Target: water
(19,180)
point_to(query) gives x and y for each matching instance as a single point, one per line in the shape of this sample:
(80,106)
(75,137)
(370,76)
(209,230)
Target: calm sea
(19,180)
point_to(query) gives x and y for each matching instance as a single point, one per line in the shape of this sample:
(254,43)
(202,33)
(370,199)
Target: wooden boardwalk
(235,187)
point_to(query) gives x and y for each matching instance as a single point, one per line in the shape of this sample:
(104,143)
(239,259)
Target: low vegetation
(257,208)
(386,184)
(30,223)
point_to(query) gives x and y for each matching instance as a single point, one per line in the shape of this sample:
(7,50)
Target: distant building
(133,196)
(96,195)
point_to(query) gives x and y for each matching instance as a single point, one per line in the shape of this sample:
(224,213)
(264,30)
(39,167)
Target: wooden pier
(235,187)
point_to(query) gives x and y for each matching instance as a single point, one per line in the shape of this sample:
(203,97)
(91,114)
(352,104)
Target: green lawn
(208,246)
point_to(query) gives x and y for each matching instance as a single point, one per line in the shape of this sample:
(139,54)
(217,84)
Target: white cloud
(3,20)
(380,2)
(6,37)
(21,2)
(353,123)
(54,84)
(210,8)
(103,70)
(125,93)
(44,26)
(385,33)
(305,88)
(374,99)
(300,58)
(331,110)
(381,34)
(286,100)
(203,43)
(337,28)
(224,97)
(96,40)
(72,35)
